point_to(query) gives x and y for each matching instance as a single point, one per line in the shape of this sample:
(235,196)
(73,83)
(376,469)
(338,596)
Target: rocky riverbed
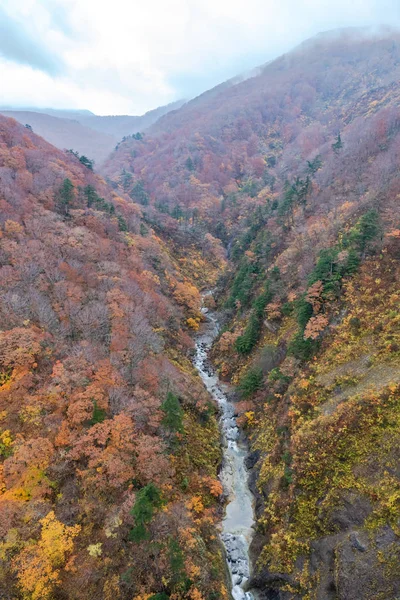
(237,526)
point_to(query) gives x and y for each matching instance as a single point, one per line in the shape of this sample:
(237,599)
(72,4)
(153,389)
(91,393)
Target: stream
(237,525)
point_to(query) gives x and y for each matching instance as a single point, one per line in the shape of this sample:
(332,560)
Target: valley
(200,343)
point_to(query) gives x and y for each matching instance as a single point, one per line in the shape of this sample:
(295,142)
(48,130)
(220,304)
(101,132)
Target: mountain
(295,170)
(65,133)
(109,444)
(121,125)
(54,112)
(278,195)
(91,135)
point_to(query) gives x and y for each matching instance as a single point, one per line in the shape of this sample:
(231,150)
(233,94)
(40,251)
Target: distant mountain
(121,125)
(65,133)
(81,130)
(54,112)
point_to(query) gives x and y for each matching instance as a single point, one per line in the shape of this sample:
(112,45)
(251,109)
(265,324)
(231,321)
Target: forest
(281,194)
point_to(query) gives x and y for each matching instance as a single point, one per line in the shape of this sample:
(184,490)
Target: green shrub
(277,375)
(301,348)
(287,308)
(98,414)
(251,382)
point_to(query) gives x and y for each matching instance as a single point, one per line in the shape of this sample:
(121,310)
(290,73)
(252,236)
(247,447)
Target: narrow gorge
(237,526)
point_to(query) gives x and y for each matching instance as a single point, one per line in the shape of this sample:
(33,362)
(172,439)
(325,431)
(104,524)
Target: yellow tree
(38,565)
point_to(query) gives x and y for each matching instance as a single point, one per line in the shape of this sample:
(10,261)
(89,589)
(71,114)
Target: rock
(368,573)
(352,511)
(251,459)
(385,537)
(355,542)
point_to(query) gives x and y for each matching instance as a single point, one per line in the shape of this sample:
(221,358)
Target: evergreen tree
(126,179)
(139,194)
(314,165)
(177,212)
(64,197)
(87,162)
(148,499)
(176,563)
(251,382)
(367,228)
(91,195)
(98,414)
(189,164)
(338,145)
(122,224)
(173,414)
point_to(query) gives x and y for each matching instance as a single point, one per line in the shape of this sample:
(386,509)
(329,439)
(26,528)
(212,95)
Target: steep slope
(109,444)
(229,141)
(296,170)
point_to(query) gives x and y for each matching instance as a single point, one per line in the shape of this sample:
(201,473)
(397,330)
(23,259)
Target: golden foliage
(38,565)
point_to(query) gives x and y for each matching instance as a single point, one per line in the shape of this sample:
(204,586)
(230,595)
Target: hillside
(295,170)
(91,135)
(109,444)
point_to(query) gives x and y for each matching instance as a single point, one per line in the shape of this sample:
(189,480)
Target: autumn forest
(271,203)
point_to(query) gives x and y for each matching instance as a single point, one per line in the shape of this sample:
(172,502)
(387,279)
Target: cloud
(19,45)
(131,56)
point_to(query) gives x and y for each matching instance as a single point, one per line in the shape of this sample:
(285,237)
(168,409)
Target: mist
(137,56)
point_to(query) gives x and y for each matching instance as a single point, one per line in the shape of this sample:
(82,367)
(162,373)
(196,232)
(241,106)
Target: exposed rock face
(368,567)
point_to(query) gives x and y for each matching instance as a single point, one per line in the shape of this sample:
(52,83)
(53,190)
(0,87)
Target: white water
(237,525)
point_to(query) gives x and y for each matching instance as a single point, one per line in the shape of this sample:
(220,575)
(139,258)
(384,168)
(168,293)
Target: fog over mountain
(137,56)
(81,130)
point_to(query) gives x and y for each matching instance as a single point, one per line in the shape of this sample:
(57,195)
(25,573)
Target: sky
(130,56)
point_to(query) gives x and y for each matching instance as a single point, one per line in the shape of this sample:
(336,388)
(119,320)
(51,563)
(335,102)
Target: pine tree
(173,414)
(65,197)
(147,500)
(338,145)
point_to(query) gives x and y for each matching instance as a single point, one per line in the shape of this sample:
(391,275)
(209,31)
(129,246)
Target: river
(237,525)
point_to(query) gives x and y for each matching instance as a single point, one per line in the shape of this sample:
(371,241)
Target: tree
(314,296)
(87,162)
(139,194)
(91,195)
(338,145)
(64,197)
(315,326)
(367,228)
(173,414)
(126,179)
(251,382)
(148,499)
(314,165)
(177,565)
(98,415)
(38,566)
(189,164)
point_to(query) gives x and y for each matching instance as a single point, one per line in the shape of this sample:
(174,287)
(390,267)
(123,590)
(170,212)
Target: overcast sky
(129,56)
